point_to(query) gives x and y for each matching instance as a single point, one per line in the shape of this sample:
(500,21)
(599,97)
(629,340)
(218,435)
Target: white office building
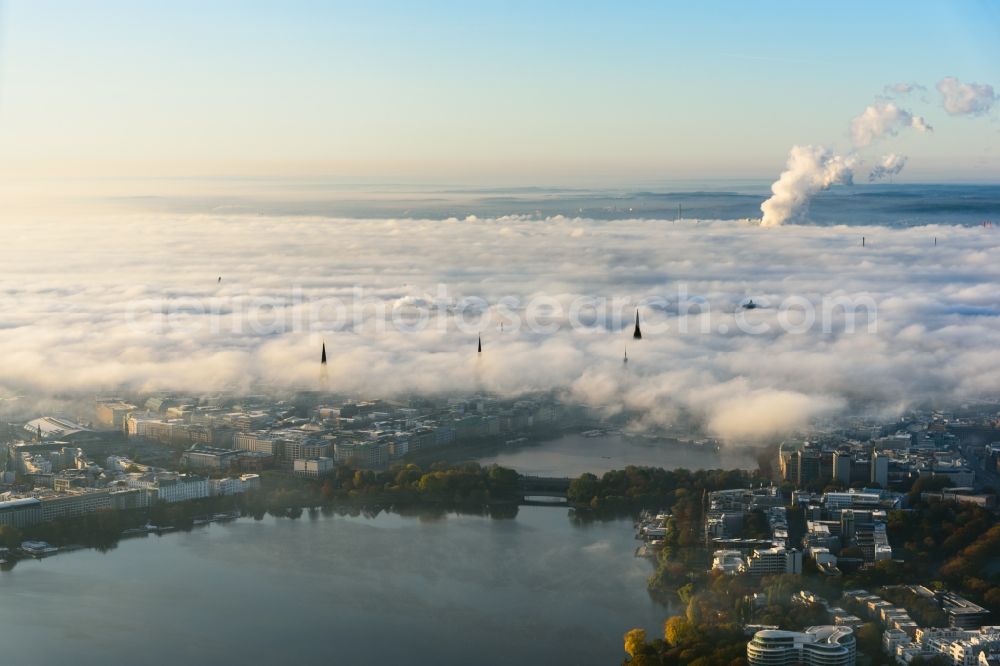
(825,645)
(313,466)
(771,561)
(172,487)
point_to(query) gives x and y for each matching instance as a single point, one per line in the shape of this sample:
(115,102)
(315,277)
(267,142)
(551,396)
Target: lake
(444,589)
(572,455)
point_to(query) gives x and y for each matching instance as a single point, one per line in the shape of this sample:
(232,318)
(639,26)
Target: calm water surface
(451,589)
(572,455)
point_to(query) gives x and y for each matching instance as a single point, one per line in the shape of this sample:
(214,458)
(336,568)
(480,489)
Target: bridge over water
(544,487)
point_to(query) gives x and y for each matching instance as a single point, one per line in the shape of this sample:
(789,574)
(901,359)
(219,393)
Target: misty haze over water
(878,204)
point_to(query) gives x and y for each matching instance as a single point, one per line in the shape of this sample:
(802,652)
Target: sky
(488,92)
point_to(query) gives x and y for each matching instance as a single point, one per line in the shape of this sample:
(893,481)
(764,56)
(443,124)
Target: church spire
(637,334)
(626,355)
(324,376)
(480,349)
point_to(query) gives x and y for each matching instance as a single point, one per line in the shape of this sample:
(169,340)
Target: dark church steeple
(324,376)
(637,334)
(480,348)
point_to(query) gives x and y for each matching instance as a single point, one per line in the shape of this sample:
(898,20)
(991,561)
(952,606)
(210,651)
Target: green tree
(869,638)
(635,642)
(10,536)
(583,489)
(676,630)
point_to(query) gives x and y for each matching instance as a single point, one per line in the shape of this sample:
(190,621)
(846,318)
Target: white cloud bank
(965,99)
(82,305)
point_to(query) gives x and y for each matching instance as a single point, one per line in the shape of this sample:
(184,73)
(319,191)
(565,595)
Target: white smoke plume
(965,99)
(888,165)
(810,169)
(883,119)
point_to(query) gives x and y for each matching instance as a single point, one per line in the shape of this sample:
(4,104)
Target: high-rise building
(788,461)
(809,461)
(842,467)
(854,520)
(880,469)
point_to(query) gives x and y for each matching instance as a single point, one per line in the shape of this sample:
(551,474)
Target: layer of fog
(94,305)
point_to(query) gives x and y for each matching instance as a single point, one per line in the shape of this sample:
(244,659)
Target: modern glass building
(824,645)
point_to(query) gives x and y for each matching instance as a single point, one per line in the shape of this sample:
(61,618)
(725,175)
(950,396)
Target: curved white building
(824,645)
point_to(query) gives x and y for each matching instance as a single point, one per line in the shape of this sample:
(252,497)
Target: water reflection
(421,587)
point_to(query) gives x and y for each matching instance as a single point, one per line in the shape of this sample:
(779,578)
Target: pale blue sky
(503,92)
